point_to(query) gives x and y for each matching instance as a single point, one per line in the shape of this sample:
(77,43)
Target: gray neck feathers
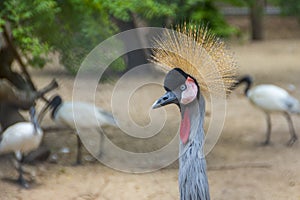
(193,182)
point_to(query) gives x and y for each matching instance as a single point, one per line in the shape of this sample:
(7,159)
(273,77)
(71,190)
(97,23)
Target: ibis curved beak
(43,112)
(168,98)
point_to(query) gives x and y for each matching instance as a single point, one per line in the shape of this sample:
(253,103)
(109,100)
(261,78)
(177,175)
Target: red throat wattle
(185,126)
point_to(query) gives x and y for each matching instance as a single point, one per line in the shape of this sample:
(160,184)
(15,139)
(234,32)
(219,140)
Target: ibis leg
(79,153)
(101,143)
(292,130)
(21,179)
(268,134)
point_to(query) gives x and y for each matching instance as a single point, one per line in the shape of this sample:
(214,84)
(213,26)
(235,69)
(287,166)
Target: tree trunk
(256,18)
(16,92)
(136,57)
(9,114)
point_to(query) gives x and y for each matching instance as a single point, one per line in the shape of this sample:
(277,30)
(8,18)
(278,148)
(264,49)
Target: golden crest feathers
(196,51)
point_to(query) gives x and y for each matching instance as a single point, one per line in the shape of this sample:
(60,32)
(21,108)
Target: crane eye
(182,87)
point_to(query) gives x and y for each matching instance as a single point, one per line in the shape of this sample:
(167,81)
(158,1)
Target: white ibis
(62,114)
(197,60)
(272,99)
(21,138)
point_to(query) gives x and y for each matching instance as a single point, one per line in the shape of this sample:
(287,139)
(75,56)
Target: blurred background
(74,28)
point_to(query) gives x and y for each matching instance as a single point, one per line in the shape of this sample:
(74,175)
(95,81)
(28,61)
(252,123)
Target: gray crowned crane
(198,60)
(62,114)
(271,99)
(21,138)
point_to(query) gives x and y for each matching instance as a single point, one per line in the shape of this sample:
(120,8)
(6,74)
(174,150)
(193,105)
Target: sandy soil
(238,166)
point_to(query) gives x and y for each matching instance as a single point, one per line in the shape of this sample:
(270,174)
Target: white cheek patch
(190,94)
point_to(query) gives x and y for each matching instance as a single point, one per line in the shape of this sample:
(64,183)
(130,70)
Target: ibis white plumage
(270,98)
(90,118)
(21,138)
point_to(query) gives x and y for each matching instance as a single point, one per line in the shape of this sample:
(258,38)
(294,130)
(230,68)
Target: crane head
(180,87)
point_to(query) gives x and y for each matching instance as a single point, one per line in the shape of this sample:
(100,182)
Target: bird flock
(23,137)
(184,88)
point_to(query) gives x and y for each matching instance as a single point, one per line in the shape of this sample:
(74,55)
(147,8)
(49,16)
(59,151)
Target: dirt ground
(238,166)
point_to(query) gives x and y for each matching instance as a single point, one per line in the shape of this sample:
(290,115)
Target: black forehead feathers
(175,78)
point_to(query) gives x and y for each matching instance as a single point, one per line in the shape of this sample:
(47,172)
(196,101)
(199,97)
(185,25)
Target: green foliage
(206,12)
(238,2)
(85,26)
(24,21)
(156,13)
(71,27)
(289,7)
(148,9)
(74,27)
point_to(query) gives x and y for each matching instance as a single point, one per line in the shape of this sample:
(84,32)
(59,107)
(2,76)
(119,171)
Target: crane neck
(192,178)
(196,115)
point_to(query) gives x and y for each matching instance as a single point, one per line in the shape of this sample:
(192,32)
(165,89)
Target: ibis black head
(181,89)
(247,79)
(55,102)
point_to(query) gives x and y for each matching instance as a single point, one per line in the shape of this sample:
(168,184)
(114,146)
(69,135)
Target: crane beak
(168,98)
